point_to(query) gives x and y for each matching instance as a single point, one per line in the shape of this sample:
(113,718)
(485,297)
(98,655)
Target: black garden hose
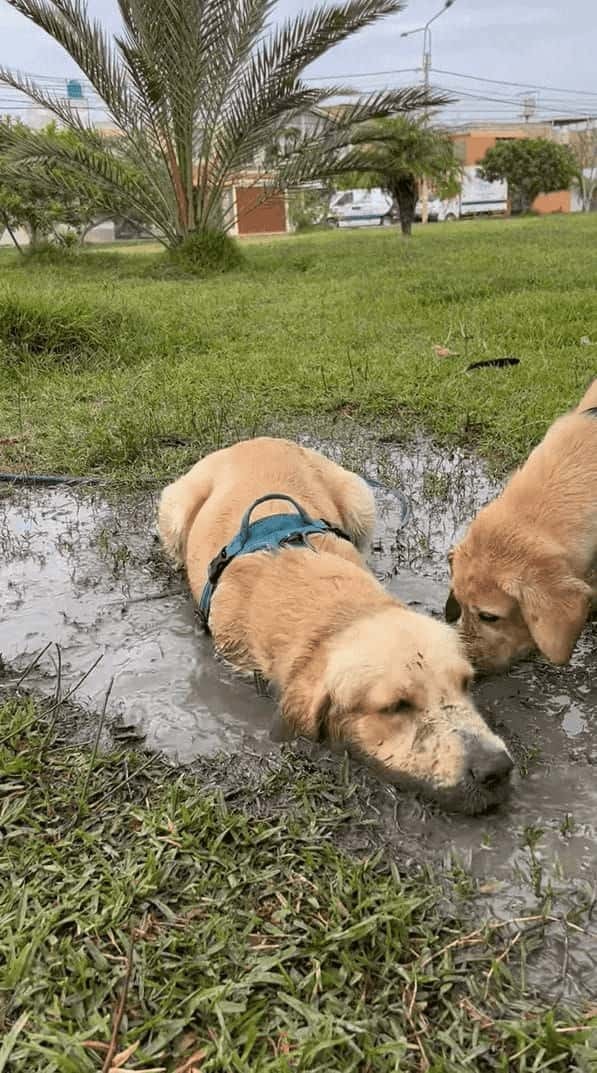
(50,480)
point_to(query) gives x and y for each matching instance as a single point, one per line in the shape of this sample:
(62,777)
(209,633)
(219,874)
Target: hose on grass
(48,479)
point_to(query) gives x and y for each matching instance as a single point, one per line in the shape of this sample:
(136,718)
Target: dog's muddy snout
(453,609)
(488,766)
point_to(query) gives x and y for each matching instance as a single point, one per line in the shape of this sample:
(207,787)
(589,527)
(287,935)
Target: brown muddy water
(83,570)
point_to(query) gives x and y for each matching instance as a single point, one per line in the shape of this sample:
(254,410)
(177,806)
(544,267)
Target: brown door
(256,216)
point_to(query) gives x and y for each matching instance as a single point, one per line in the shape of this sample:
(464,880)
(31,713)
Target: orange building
(472,143)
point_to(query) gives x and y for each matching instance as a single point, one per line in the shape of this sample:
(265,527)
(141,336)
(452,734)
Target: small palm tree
(396,154)
(198,90)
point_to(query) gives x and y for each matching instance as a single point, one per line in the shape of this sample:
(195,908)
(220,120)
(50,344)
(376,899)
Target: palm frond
(269,92)
(317,153)
(300,41)
(89,46)
(58,106)
(89,160)
(199,89)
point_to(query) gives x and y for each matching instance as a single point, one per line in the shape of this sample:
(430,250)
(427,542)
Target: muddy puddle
(85,573)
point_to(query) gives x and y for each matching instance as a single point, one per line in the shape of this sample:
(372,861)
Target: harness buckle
(300,539)
(216,566)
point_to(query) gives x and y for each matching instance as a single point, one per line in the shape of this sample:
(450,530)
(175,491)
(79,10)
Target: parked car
(361,208)
(477,197)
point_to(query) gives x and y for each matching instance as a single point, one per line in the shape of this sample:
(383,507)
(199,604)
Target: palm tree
(197,90)
(396,154)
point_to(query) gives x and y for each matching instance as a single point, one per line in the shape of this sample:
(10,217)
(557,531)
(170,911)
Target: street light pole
(426,70)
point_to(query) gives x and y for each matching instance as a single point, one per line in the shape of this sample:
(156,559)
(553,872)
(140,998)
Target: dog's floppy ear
(555,607)
(452,610)
(307,712)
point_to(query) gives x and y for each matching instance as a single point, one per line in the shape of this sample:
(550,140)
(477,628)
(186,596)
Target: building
(473,140)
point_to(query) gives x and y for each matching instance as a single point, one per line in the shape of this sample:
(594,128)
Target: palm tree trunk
(405,193)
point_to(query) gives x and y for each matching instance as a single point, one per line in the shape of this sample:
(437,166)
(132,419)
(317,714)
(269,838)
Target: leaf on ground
(190,1064)
(120,1059)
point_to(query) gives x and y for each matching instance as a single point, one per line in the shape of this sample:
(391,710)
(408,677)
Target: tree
(530,166)
(584,148)
(25,200)
(396,154)
(197,90)
(43,199)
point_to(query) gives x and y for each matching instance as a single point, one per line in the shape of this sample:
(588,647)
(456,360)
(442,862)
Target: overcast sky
(550,43)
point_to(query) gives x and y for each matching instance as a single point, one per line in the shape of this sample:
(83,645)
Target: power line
(362,74)
(519,85)
(60,80)
(454,74)
(549,107)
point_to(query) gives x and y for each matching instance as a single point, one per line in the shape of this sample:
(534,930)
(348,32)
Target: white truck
(477,197)
(360,208)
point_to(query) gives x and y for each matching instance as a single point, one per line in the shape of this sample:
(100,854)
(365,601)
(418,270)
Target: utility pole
(426,70)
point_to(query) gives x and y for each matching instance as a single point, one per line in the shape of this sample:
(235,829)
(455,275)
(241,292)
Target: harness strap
(266,534)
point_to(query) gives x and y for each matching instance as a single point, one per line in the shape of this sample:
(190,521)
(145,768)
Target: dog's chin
(486,665)
(470,799)
(466,797)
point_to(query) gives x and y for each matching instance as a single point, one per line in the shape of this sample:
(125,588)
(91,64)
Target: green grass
(136,907)
(115,365)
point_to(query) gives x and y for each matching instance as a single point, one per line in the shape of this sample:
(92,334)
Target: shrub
(57,330)
(308,209)
(206,253)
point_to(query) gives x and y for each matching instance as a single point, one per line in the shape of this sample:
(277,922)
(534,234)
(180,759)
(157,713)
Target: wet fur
(530,555)
(339,650)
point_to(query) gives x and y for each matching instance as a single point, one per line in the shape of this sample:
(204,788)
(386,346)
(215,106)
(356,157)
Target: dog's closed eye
(486,616)
(397,707)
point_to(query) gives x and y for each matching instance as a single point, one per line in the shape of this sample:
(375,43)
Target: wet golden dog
(523,577)
(349,662)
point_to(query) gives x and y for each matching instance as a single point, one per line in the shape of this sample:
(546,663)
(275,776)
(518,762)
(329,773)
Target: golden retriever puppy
(523,577)
(349,663)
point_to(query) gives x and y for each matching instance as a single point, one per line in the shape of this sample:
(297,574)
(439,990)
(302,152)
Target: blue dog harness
(266,534)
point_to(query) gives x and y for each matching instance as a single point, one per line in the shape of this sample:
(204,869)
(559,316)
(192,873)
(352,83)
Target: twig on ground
(155,596)
(111,1052)
(501,957)
(408,1009)
(95,1045)
(50,711)
(96,742)
(124,782)
(32,665)
(475,937)
(57,701)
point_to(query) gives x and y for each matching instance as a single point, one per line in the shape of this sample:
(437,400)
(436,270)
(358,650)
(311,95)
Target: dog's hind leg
(351,495)
(589,399)
(178,507)
(357,510)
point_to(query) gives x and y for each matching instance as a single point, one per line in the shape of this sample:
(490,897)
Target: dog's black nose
(489,766)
